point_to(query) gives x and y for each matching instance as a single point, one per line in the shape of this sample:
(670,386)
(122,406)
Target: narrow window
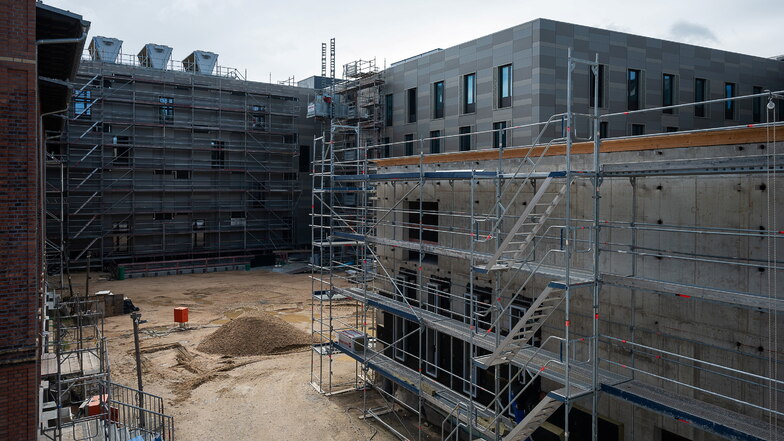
(700,93)
(304,158)
(386,147)
(469,93)
(237,219)
(122,150)
(162,216)
(603,128)
(166,111)
(409,144)
(638,129)
(671,129)
(412,105)
(258,117)
(592,86)
(505,86)
(465,138)
(729,106)
(435,141)
(633,90)
(499,134)
(182,174)
(756,105)
(668,91)
(438,99)
(388,110)
(218,155)
(429,221)
(82,108)
(120,238)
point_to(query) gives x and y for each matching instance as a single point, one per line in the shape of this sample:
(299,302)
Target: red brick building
(31,82)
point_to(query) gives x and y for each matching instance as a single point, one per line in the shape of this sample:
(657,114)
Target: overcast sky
(280,39)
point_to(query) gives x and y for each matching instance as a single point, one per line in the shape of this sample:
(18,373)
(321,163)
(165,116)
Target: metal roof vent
(155,56)
(200,62)
(105,49)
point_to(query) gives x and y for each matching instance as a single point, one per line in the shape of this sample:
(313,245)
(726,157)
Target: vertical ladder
(525,328)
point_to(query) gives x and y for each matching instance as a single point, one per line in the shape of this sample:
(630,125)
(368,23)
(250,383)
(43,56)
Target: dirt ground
(223,397)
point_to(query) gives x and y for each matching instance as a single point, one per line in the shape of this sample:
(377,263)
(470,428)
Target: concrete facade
(654,217)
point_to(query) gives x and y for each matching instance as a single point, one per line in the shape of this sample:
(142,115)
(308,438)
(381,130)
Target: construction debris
(264,334)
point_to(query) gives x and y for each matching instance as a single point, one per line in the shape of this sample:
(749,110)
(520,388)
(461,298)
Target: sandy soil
(221,397)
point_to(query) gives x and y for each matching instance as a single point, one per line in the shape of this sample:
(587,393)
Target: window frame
(756,105)
(504,99)
(636,102)
(389,110)
(730,106)
(409,144)
(411,105)
(700,88)
(438,99)
(165,110)
(464,140)
(499,134)
(602,88)
(668,99)
(435,141)
(469,93)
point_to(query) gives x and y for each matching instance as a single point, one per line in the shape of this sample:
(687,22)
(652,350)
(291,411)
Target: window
(122,155)
(499,134)
(304,158)
(603,129)
(237,219)
(198,235)
(465,138)
(633,90)
(756,105)
(638,129)
(386,147)
(182,174)
(505,86)
(166,111)
(409,144)
(412,105)
(668,91)
(429,221)
(120,238)
(469,93)
(671,129)
(438,99)
(700,92)
(218,155)
(592,85)
(388,110)
(82,104)
(163,216)
(435,141)
(729,106)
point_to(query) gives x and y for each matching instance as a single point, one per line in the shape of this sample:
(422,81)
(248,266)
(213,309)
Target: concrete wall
(736,337)
(537,51)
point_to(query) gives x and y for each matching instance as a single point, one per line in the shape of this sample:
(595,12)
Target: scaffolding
(541,318)
(77,399)
(160,164)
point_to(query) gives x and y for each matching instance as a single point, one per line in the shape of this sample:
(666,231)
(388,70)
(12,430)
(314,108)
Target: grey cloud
(692,33)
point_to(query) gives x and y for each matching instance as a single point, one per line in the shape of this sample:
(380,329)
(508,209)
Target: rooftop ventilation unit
(105,49)
(200,62)
(155,56)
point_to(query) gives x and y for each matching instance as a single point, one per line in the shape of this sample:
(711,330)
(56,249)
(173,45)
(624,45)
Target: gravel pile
(263,334)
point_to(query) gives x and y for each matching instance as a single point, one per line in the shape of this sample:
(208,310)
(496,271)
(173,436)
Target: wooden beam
(745,135)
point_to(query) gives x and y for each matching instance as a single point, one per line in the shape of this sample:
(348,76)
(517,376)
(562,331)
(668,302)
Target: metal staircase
(538,415)
(525,329)
(528,225)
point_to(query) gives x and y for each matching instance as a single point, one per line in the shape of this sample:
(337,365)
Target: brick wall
(18,213)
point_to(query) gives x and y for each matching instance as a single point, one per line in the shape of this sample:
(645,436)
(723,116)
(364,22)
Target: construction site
(552,232)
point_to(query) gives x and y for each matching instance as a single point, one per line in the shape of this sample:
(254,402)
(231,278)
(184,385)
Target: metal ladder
(525,329)
(538,415)
(528,225)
